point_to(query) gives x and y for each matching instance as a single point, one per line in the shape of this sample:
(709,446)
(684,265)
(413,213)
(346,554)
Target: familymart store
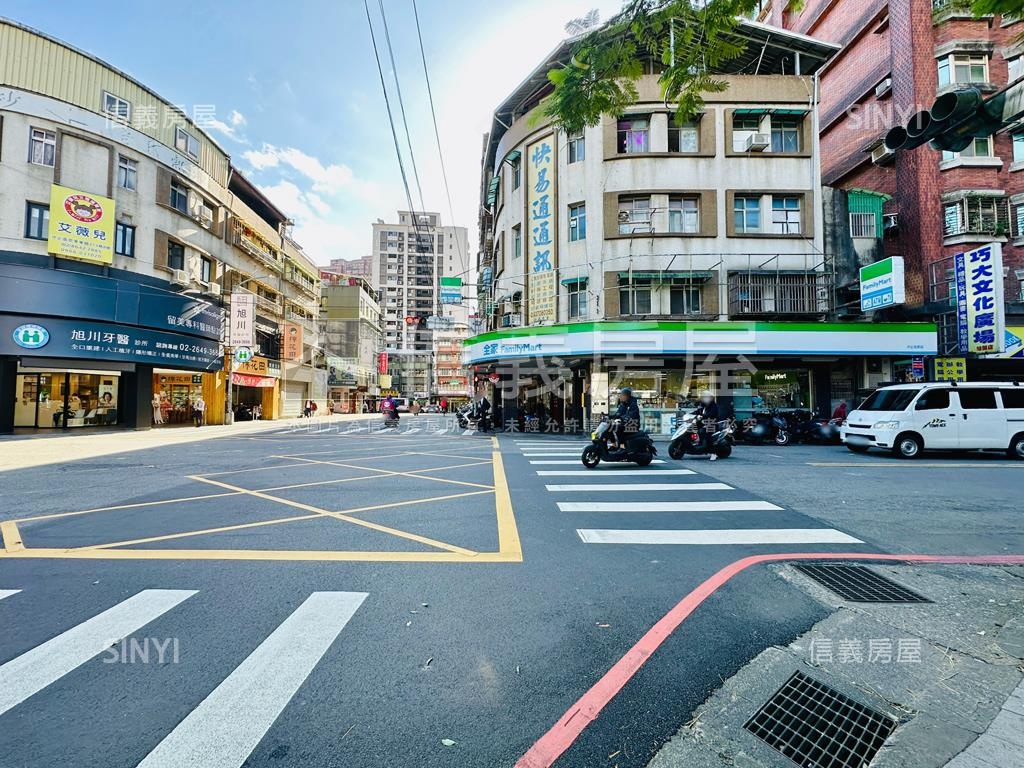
(571,373)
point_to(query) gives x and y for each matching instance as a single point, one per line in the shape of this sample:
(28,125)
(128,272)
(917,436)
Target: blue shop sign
(107,341)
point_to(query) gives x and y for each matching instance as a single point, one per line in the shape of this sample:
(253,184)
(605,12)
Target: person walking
(444,405)
(158,416)
(199,410)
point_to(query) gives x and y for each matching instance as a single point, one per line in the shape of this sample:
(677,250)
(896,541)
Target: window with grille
(863,225)
(976,216)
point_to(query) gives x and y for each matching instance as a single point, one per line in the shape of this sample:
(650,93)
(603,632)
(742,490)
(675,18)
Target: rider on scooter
(626,418)
(708,411)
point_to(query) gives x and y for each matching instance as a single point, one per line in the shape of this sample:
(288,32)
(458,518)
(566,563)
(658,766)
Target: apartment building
(897,56)
(350,320)
(361,267)
(650,253)
(123,230)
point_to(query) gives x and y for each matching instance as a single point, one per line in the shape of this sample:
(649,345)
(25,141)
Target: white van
(909,418)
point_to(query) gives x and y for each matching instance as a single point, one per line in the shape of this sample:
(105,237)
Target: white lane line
(733,536)
(609,472)
(39,667)
(8,592)
(639,487)
(541,454)
(226,727)
(577,461)
(667,506)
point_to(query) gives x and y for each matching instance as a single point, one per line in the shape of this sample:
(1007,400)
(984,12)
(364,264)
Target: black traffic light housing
(954,121)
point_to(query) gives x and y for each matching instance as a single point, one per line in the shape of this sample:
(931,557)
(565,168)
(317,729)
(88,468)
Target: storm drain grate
(818,727)
(859,584)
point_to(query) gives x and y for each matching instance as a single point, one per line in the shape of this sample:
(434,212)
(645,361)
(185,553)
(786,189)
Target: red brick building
(897,56)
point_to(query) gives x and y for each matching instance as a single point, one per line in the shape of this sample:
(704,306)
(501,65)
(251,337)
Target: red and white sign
(382,363)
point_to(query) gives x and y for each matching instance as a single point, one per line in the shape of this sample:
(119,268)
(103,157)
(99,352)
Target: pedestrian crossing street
(225,727)
(669,492)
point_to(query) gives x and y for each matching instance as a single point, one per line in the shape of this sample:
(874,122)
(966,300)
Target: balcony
(779,293)
(250,241)
(269,305)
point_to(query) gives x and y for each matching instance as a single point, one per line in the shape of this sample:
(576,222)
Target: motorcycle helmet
(706,396)
(627,391)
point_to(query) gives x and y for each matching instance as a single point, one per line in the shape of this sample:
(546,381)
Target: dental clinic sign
(980,311)
(882,284)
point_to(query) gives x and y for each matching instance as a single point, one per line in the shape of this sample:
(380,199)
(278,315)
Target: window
(634,215)
(124,239)
(977,399)
(746,211)
(37,221)
(635,298)
(175,255)
(963,68)
(205,269)
(1018,147)
(682,137)
(1014,68)
(786,215)
(577,147)
(1013,398)
(976,215)
(684,299)
(577,222)
(116,107)
(127,172)
(786,134)
(863,225)
(634,135)
(517,242)
(888,400)
(1018,223)
(980,147)
(186,143)
(179,197)
(933,400)
(743,127)
(577,299)
(517,174)
(42,147)
(684,215)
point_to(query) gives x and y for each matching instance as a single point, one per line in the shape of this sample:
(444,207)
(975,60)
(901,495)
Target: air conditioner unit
(179,277)
(881,155)
(757,142)
(890,221)
(883,87)
(205,215)
(213,289)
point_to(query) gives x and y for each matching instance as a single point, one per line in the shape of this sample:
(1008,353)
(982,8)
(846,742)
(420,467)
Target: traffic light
(957,118)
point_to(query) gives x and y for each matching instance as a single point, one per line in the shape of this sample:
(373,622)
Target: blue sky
(297,94)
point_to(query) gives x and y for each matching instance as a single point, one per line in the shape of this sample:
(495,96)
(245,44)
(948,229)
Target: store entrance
(65,399)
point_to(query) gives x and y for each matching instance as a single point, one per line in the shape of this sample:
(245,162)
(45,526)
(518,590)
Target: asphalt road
(365,600)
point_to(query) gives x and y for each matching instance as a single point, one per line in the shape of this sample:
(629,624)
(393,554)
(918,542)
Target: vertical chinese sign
(242,331)
(292,341)
(542,241)
(81,226)
(979,300)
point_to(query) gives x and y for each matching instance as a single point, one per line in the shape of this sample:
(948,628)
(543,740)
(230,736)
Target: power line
(401,103)
(387,102)
(463,260)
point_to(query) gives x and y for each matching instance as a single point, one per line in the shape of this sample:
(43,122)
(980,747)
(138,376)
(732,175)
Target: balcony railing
(780,293)
(250,241)
(270,305)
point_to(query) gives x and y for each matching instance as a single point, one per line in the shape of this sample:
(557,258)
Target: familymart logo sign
(30,336)
(882,284)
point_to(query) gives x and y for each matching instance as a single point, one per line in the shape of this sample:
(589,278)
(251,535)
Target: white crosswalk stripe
(225,728)
(39,667)
(719,536)
(8,592)
(603,481)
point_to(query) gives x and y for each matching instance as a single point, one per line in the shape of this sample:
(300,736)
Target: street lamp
(229,411)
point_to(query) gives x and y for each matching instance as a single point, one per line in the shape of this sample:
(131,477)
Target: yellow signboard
(951,369)
(542,237)
(81,226)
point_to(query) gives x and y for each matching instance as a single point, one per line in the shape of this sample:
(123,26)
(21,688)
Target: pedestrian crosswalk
(690,507)
(225,727)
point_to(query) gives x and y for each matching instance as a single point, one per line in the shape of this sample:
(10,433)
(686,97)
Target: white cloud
(319,233)
(236,118)
(328,178)
(318,203)
(213,124)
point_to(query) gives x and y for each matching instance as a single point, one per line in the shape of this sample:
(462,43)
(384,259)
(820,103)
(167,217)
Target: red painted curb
(549,747)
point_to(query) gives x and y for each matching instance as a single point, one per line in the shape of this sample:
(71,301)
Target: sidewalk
(24,451)
(947,674)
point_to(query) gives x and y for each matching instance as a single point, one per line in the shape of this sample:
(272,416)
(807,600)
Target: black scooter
(764,426)
(639,447)
(691,438)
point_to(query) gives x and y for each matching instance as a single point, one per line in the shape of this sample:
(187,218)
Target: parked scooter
(764,427)
(639,447)
(690,438)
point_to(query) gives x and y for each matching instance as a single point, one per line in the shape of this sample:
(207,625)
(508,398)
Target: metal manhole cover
(816,726)
(858,584)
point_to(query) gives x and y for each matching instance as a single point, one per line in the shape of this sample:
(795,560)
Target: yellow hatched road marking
(11,537)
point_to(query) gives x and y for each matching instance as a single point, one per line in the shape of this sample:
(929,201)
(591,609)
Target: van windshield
(888,400)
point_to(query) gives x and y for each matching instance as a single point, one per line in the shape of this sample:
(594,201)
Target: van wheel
(908,446)
(1016,449)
